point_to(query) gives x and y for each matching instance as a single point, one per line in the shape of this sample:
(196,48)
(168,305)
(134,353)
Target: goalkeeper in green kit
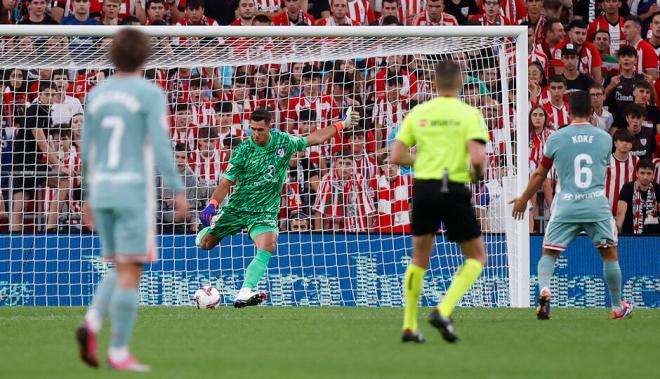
(258,168)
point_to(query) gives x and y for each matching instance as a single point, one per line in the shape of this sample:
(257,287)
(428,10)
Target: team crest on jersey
(642,141)
(423,123)
(280,153)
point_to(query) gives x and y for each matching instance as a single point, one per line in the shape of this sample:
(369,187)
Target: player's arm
(535,182)
(321,135)
(477,137)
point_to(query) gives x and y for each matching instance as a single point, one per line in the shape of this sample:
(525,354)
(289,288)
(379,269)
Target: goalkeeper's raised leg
(450,137)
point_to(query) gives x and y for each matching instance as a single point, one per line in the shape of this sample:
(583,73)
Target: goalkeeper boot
(87,345)
(247,298)
(624,311)
(410,336)
(543,308)
(128,364)
(444,324)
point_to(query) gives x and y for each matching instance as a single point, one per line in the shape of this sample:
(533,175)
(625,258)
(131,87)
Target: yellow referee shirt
(441,129)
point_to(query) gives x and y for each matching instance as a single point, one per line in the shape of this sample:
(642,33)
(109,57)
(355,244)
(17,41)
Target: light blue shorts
(127,234)
(559,235)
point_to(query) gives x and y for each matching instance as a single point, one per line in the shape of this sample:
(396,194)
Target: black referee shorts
(454,208)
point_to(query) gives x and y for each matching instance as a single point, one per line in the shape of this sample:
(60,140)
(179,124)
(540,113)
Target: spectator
(647,59)
(644,9)
(408,9)
(298,222)
(433,14)
(638,209)
(393,193)
(539,131)
(342,85)
(363,163)
(389,109)
(488,73)
(81,14)
(224,120)
(293,15)
(269,8)
(601,117)
(279,106)
(243,102)
(165,213)
(620,168)
(6,10)
(588,59)
(535,18)
(361,12)
(245,11)
(194,14)
(305,175)
(610,21)
(343,202)
(183,131)
(338,15)
(553,34)
(535,52)
(390,9)
(207,162)
(63,106)
(538,89)
(311,98)
(130,21)
(111,12)
(156,11)
(37,14)
(308,123)
(644,144)
(654,39)
(397,67)
(319,9)
(462,10)
(575,80)
(64,193)
(610,65)
(489,204)
(29,146)
(557,107)
(643,94)
(619,89)
(492,15)
(60,9)
(14,99)
(201,109)
(261,20)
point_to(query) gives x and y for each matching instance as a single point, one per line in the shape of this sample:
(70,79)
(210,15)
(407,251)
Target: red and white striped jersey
(537,55)
(389,114)
(304,18)
(268,5)
(291,201)
(329,21)
(409,8)
(325,107)
(557,116)
(241,109)
(202,113)
(232,131)
(408,87)
(208,169)
(499,20)
(393,203)
(537,145)
(656,174)
(187,137)
(361,12)
(422,19)
(365,166)
(514,10)
(615,30)
(618,173)
(346,204)
(646,56)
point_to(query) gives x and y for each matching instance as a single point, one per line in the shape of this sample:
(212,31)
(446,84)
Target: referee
(450,138)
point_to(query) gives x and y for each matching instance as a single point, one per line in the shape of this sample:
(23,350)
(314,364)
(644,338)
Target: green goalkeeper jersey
(260,172)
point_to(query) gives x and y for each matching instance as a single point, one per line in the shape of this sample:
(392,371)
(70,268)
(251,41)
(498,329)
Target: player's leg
(558,236)
(604,236)
(98,310)
(425,223)
(462,227)
(264,234)
(225,223)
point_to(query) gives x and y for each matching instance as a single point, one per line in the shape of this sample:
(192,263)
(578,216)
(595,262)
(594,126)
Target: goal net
(345,216)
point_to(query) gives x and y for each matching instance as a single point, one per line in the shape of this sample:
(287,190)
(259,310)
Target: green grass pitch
(301,342)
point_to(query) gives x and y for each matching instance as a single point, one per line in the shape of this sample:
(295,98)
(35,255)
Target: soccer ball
(207,297)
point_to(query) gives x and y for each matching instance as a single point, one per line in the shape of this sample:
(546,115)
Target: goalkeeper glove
(350,121)
(207,214)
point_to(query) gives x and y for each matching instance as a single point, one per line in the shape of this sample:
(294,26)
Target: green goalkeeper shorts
(229,221)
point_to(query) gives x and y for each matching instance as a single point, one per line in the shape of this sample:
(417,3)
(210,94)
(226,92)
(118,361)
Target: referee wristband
(214,202)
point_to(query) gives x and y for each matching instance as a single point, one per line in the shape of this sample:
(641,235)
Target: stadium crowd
(609,48)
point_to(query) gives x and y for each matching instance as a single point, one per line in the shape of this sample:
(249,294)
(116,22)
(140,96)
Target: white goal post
(355,258)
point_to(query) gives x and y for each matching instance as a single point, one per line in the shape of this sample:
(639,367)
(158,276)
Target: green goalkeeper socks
(123,310)
(612,274)
(256,269)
